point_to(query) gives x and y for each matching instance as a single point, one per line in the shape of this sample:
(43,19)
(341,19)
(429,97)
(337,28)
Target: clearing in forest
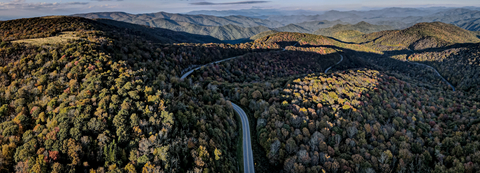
(62,37)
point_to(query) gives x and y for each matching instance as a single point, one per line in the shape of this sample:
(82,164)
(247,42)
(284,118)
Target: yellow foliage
(137,130)
(161,105)
(217,153)
(112,167)
(130,168)
(389,154)
(147,168)
(284,103)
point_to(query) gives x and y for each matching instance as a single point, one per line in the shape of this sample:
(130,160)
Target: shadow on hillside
(341,41)
(438,49)
(352,59)
(386,61)
(347,42)
(238,41)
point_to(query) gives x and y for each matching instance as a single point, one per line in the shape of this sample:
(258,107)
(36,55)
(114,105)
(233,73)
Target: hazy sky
(27,8)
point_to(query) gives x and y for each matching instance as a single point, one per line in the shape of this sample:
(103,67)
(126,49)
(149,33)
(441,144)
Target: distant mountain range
(309,27)
(470,24)
(157,19)
(363,27)
(230,29)
(161,34)
(397,17)
(257,13)
(233,27)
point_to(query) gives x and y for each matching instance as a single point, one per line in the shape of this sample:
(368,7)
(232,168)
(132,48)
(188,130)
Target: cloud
(229,3)
(22,5)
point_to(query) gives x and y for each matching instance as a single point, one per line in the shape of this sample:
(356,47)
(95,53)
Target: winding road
(191,71)
(444,80)
(248,165)
(334,64)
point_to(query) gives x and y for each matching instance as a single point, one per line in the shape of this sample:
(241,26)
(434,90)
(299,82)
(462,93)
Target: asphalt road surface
(438,74)
(334,64)
(248,165)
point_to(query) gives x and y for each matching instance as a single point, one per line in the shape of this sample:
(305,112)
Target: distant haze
(11,9)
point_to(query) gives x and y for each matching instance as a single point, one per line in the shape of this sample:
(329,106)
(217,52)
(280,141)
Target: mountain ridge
(362,26)
(204,20)
(422,36)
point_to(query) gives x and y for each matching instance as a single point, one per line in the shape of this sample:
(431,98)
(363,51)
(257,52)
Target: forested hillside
(420,36)
(110,99)
(373,113)
(50,26)
(361,121)
(363,27)
(460,66)
(110,102)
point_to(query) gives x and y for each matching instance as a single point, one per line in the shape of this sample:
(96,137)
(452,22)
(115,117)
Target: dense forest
(390,116)
(112,101)
(460,65)
(362,121)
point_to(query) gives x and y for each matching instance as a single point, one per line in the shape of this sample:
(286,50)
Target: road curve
(438,74)
(191,71)
(248,165)
(334,64)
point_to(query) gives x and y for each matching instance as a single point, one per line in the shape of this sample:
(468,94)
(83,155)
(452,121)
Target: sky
(11,9)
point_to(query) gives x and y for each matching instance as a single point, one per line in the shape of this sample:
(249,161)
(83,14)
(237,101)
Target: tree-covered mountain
(363,27)
(469,24)
(263,34)
(155,19)
(33,28)
(256,13)
(236,28)
(110,99)
(315,25)
(371,16)
(420,36)
(398,18)
(292,28)
(372,113)
(227,33)
(226,29)
(230,29)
